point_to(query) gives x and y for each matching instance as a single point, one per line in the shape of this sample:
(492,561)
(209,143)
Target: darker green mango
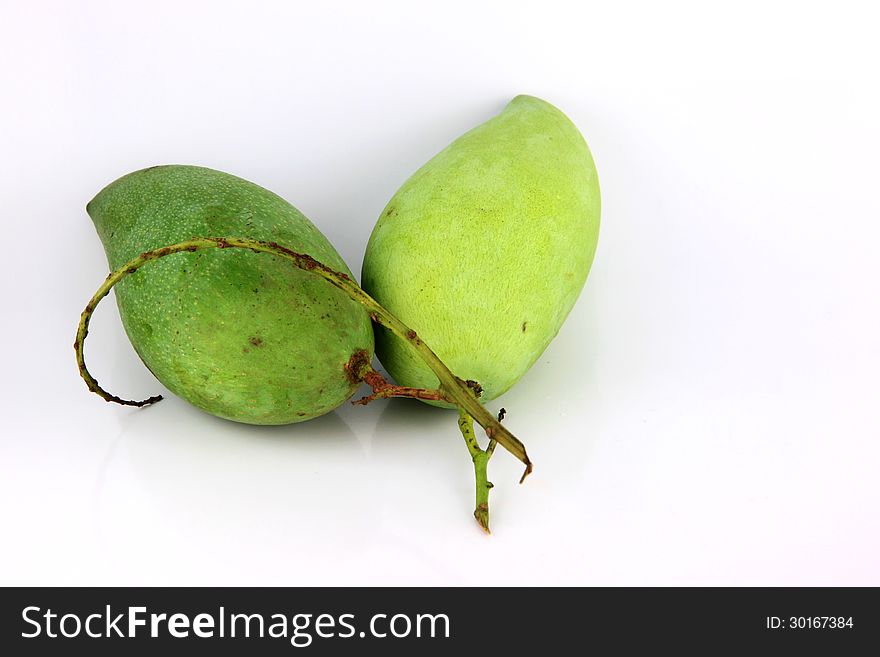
(244,336)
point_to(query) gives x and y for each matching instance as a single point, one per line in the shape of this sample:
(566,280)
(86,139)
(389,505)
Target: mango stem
(459,392)
(382,389)
(480,458)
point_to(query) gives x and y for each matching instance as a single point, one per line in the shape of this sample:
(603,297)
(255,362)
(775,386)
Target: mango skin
(485,249)
(244,336)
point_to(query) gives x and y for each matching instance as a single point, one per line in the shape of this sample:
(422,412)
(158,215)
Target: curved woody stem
(464,394)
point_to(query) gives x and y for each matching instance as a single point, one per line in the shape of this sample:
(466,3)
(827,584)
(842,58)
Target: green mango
(244,336)
(485,249)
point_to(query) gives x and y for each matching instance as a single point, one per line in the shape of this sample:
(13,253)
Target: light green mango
(244,336)
(485,249)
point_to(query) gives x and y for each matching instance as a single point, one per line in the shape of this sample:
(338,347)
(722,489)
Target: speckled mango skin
(244,336)
(485,249)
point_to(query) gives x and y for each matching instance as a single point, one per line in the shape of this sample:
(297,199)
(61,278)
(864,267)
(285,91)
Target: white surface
(708,414)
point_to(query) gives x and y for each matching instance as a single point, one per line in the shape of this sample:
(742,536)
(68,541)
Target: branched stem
(382,389)
(459,392)
(481,461)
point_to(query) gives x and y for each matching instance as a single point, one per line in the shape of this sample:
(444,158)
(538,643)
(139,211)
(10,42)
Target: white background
(707,415)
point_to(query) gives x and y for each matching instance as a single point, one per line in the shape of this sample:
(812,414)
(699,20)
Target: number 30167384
(810,622)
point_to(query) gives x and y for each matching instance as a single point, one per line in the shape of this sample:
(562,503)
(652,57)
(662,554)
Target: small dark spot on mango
(354,368)
(411,334)
(524,326)
(256,340)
